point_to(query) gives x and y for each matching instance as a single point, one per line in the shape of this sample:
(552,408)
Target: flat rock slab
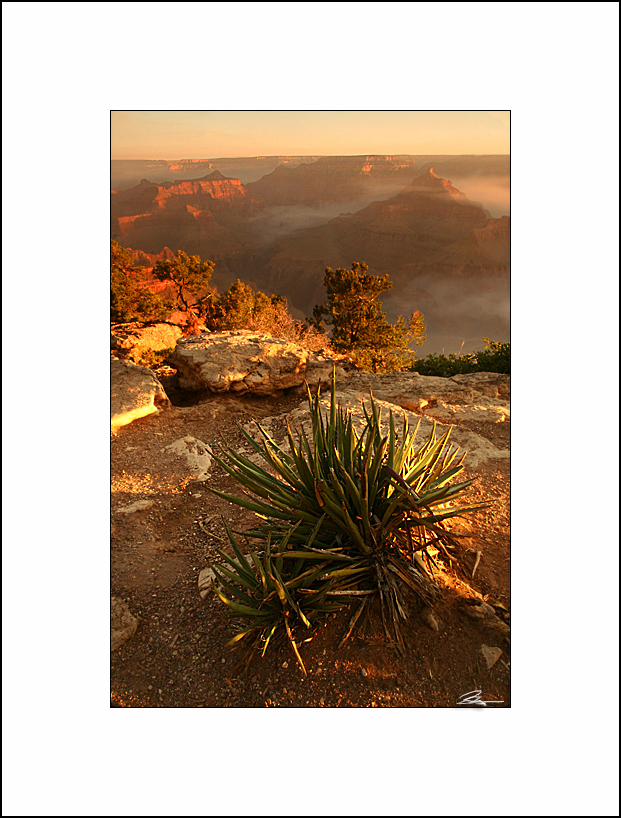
(247,361)
(135,392)
(480,396)
(123,624)
(479,448)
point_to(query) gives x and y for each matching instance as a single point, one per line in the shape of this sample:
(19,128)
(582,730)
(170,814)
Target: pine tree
(191,278)
(359,327)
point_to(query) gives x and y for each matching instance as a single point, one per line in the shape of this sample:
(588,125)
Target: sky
(211,134)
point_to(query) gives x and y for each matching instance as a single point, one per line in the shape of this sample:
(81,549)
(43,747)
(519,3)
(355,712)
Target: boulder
(134,393)
(139,343)
(249,361)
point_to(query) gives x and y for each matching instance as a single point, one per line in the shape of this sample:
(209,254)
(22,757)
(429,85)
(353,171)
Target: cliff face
(334,179)
(199,192)
(197,215)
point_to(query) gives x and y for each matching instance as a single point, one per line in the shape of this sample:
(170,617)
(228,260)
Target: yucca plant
(281,587)
(374,498)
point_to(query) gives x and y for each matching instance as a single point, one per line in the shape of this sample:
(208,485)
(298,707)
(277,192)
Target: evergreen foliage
(496,357)
(359,327)
(131,298)
(191,278)
(242,307)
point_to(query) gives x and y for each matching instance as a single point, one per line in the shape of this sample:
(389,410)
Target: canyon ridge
(439,226)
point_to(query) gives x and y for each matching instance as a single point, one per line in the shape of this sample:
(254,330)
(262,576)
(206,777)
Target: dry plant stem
(476,563)
(353,620)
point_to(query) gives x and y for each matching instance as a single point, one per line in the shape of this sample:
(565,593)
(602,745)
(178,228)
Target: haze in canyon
(438,225)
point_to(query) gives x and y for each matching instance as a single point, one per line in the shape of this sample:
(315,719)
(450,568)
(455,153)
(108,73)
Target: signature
(474,697)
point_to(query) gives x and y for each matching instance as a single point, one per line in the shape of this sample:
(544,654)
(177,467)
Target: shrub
(368,504)
(154,357)
(496,357)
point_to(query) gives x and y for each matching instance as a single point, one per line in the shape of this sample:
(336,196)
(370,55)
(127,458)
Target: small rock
(502,628)
(430,619)
(196,453)
(123,624)
(285,664)
(139,505)
(479,611)
(205,581)
(491,655)
(363,671)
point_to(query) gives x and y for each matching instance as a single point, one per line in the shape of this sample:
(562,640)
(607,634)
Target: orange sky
(207,134)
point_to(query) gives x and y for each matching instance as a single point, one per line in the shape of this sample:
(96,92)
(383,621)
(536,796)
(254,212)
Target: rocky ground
(169,642)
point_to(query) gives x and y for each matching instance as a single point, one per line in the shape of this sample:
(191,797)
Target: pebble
(430,619)
(491,655)
(480,611)
(363,671)
(285,664)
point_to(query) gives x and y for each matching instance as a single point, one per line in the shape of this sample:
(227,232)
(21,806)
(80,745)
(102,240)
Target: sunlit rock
(248,361)
(135,392)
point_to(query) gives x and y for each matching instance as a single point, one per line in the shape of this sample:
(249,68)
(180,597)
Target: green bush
(154,358)
(496,357)
(131,297)
(367,506)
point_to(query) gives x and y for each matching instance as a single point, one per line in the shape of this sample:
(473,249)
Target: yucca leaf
(345,572)
(236,578)
(244,610)
(257,507)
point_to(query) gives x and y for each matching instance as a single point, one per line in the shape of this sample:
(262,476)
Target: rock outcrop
(134,393)
(420,398)
(248,361)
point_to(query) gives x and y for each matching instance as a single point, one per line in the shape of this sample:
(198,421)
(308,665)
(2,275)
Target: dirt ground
(177,657)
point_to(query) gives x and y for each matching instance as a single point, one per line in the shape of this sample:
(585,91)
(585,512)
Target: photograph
(310,409)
